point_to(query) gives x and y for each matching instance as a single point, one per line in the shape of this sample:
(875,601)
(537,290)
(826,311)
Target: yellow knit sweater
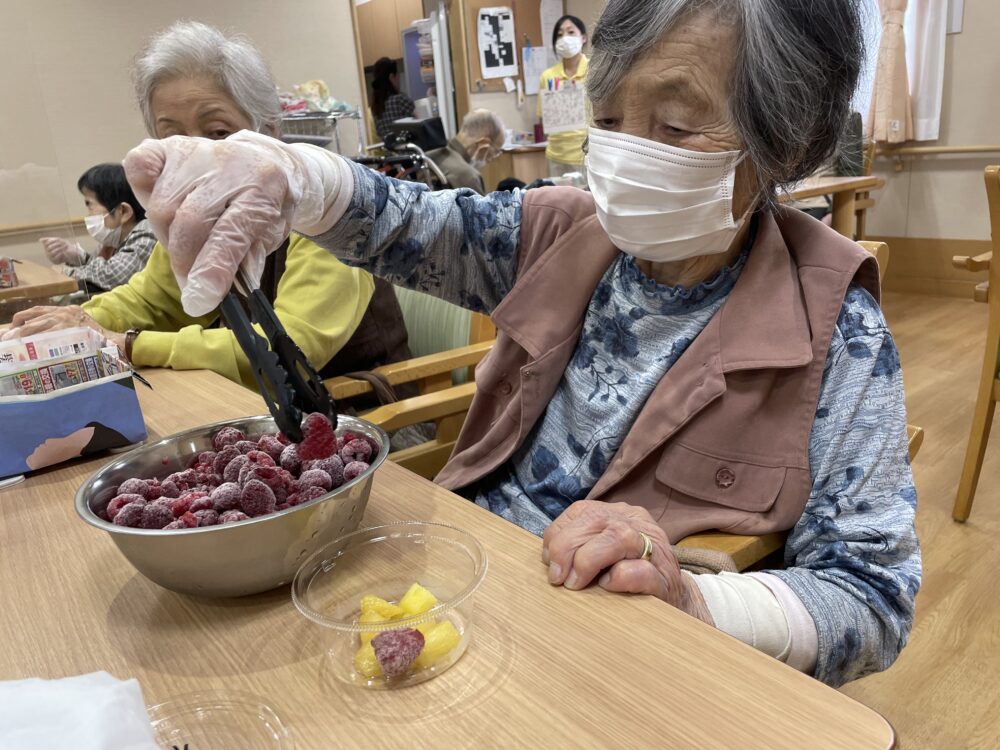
(320,302)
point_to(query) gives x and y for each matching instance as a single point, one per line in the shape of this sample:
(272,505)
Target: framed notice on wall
(497,42)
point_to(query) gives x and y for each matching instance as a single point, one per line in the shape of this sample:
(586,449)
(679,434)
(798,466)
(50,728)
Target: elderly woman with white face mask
(675,352)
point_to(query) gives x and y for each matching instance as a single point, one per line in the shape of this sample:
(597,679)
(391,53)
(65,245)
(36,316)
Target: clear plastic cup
(385,561)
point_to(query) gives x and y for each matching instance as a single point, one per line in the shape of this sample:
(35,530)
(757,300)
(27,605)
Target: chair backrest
(881,252)
(432,324)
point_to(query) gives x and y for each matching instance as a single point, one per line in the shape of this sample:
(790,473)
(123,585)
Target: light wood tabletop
(36,281)
(547,667)
(844,191)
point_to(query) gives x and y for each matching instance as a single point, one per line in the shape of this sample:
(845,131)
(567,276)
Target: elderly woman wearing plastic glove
(675,352)
(194,80)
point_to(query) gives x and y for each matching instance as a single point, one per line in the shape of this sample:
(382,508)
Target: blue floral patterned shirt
(853,558)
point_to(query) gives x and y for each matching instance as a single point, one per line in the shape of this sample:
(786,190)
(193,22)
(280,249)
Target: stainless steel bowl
(234,559)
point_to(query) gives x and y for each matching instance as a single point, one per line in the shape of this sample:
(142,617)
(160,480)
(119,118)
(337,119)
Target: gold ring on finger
(647,547)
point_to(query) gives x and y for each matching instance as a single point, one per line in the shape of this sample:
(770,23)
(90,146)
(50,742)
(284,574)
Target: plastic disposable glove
(217,205)
(58,250)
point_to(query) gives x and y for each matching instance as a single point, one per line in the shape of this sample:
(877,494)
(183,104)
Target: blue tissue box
(50,428)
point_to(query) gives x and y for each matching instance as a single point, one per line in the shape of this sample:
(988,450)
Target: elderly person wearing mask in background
(476,144)
(117,221)
(675,351)
(193,80)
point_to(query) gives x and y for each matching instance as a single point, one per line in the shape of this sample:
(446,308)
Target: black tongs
(288,382)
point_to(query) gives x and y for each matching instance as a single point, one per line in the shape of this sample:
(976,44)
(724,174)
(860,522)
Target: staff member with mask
(476,144)
(565,150)
(675,351)
(118,223)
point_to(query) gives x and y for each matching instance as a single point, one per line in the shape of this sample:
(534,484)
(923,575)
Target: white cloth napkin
(88,712)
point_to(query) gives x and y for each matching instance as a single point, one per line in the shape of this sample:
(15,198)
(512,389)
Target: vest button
(725,478)
(505,388)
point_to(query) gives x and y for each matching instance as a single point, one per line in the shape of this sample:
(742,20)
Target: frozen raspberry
(134,487)
(290,460)
(181,505)
(280,437)
(155,516)
(103,515)
(165,502)
(223,457)
(183,479)
(119,502)
(207,517)
(129,515)
(189,520)
(306,494)
(354,469)
(233,468)
(174,525)
(205,458)
(202,502)
(153,491)
(333,466)
(227,436)
(169,489)
(232,516)
(257,498)
(318,440)
(245,446)
(356,450)
(374,446)
(314,478)
(260,458)
(396,650)
(271,446)
(282,506)
(226,497)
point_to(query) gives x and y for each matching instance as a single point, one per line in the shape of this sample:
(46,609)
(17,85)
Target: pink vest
(722,442)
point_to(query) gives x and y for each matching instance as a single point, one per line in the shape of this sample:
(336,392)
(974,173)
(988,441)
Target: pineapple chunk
(439,639)
(368,617)
(385,610)
(366,663)
(417,600)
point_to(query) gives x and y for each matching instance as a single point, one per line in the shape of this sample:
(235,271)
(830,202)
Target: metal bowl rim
(83,508)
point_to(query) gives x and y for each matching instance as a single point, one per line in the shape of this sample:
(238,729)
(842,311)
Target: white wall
(942,197)
(65,92)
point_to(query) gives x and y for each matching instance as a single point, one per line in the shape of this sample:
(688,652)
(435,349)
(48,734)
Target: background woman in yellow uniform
(565,150)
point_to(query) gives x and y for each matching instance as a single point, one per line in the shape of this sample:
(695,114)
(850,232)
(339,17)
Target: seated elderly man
(193,80)
(675,351)
(476,144)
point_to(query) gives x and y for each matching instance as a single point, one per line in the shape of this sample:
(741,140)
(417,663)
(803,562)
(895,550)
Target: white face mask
(662,203)
(569,46)
(105,236)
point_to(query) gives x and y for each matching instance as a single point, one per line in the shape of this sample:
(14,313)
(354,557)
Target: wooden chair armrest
(976,263)
(425,408)
(982,292)
(744,550)
(411,370)
(915,437)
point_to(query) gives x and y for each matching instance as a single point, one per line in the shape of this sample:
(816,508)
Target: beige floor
(944,690)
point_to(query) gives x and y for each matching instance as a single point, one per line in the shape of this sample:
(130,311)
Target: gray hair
(188,49)
(795,71)
(482,123)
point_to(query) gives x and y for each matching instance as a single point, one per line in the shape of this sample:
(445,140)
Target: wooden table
(36,281)
(525,162)
(548,667)
(844,191)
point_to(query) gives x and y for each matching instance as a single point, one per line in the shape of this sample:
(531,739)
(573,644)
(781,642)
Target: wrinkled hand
(58,250)
(218,204)
(602,540)
(46,318)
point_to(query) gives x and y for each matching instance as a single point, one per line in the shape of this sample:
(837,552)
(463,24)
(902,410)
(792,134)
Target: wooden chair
(989,382)
(444,378)
(881,252)
(863,200)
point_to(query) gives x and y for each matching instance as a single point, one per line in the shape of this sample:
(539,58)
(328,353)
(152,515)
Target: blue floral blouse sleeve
(853,558)
(454,244)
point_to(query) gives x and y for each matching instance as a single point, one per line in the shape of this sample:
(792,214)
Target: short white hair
(482,123)
(190,49)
